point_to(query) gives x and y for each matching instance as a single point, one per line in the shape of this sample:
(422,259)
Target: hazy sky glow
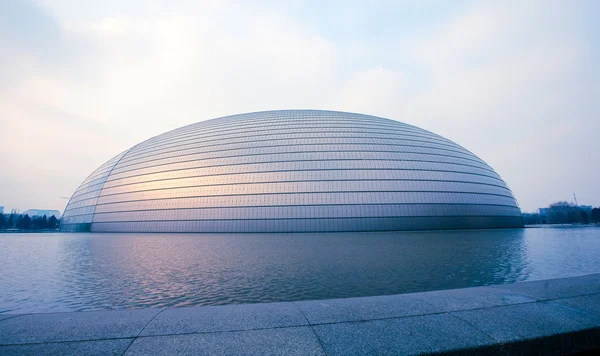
(515,82)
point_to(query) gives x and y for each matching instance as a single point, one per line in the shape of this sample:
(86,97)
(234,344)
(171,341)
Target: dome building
(292,171)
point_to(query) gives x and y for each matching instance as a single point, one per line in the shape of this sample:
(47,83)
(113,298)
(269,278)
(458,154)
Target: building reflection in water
(153,270)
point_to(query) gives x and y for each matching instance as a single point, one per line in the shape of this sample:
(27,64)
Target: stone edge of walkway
(558,316)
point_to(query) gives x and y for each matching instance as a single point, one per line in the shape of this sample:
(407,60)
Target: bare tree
(596,214)
(563,212)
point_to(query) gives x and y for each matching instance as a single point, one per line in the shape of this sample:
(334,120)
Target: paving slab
(9,316)
(550,317)
(527,321)
(88,348)
(282,341)
(470,298)
(225,318)
(366,308)
(77,326)
(589,304)
(555,288)
(403,336)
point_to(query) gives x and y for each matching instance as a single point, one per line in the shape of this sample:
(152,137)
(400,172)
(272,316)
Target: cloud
(513,82)
(372,90)
(123,79)
(517,83)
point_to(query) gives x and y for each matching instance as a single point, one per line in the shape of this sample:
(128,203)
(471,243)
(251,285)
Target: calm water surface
(74,272)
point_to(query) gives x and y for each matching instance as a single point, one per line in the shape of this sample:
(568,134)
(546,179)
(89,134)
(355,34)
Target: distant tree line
(532,219)
(24,222)
(563,212)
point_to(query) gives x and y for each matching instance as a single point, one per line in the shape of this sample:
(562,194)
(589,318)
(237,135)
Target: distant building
(40,212)
(1,210)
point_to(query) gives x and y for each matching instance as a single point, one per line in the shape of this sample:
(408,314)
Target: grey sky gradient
(515,82)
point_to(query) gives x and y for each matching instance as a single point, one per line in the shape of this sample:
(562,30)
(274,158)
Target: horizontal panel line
(280,126)
(290,153)
(220,142)
(317,218)
(294,170)
(347,128)
(118,169)
(330,160)
(265,128)
(106,167)
(99,174)
(311,160)
(298,181)
(99,180)
(242,121)
(91,178)
(87,186)
(301,170)
(246,123)
(133,158)
(296,193)
(474,159)
(296,205)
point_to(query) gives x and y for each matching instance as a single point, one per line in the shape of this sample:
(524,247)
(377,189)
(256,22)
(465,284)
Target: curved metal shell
(292,171)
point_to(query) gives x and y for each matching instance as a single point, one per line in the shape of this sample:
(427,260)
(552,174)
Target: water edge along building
(292,171)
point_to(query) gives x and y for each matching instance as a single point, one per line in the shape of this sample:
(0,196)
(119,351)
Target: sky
(515,82)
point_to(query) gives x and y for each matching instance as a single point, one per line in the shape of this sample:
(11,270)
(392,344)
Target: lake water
(75,272)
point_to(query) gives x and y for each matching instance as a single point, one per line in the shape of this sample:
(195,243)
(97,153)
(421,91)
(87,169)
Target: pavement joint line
(532,300)
(559,298)
(495,286)
(566,306)
(135,338)
(474,327)
(68,341)
(157,335)
(422,314)
(224,331)
(311,328)
(260,329)
(88,311)
(12,316)
(289,326)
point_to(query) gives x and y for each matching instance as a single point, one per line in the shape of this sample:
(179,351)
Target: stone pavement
(555,316)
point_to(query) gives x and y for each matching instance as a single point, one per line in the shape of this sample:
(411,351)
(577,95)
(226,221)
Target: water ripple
(77,272)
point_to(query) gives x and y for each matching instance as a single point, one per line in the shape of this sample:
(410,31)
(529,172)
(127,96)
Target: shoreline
(16,231)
